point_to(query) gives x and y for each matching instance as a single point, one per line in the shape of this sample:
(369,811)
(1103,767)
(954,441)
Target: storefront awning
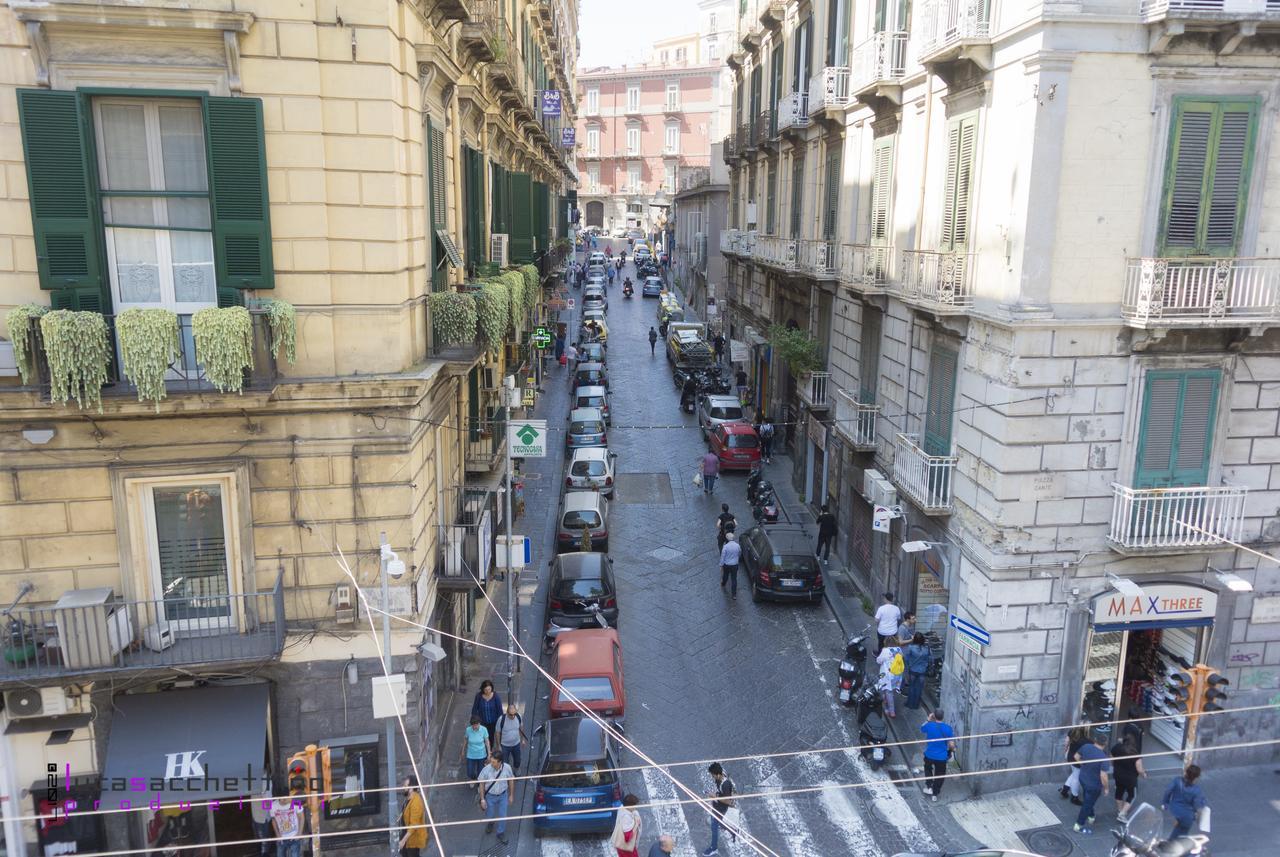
(186,745)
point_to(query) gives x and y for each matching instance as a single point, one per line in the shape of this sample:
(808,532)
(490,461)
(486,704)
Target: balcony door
(1175,439)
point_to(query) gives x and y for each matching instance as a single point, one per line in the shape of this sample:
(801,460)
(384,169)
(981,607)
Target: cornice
(131,17)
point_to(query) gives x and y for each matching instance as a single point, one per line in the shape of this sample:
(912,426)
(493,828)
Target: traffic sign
(969,643)
(528,438)
(541,337)
(982,635)
(571,303)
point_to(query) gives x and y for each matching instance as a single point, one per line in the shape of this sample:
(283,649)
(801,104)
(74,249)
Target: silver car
(591,469)
(593,397)
(716,409)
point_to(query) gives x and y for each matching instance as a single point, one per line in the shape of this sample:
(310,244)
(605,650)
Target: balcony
(940,280)
(751,38)
(480,38)
(829,89)
(1180,292)
(814,389)
(879,64)
(671,105)
(866,267)
(776,252)
(1230,21)
(633,108)
(735,60)
(855,421)
(455,10)
(729,242)
(729,147)
(764,129)
(793,112)
(773,14)
(90,632)
(486,451)
(462,565)
(926,479)
(745,144)
(955,30)
(1167,520)
(818,258)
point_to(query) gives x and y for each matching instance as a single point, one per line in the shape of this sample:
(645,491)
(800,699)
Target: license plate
(792,584)
(878,754)
(741,456)
(578,801)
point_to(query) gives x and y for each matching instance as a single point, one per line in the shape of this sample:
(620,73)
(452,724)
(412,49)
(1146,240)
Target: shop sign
(568,137)
(970,644)
(737,351)
(528,438)
(1159,602)
(817,433)
(530,397)
(550,102)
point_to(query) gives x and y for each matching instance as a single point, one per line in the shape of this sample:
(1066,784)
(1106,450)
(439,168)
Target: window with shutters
(673,96)
(593,178)
(473,184)
(633,139)
(962,137)
(940,401)
(775,79)
(837,32)
(797,194)
(671,146)
(593,142)
(437,205)
(881,191)
(633,99)
(669,183)
(1207,177)
(1175,438)
(771,200)
(633,178)
(800,41)
(831,198)
(593,102)
(869,355)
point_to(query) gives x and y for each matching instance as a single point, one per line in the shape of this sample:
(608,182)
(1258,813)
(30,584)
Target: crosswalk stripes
(783,813)
(844,814)
(668,817)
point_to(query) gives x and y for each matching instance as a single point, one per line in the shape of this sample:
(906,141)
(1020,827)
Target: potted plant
(224,345)
(453,317)
(18,323)
(797,348)
(78,350)
(148,347)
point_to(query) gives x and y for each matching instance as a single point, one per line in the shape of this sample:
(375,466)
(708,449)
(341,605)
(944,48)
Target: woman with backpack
(892,667)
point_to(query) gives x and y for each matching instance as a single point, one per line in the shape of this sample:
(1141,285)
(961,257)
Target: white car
(596,258)
(591,469)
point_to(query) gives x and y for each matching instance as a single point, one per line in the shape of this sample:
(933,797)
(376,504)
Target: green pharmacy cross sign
(541,337)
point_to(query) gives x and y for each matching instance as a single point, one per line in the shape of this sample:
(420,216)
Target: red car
(736,445)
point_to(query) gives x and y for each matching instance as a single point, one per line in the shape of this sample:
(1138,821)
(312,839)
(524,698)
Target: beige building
(365,164)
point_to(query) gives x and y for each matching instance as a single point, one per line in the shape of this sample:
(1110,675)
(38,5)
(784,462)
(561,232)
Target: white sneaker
(928,790)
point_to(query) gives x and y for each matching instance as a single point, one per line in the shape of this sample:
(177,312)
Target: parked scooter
(765,507)
(757,489)
(754,478)
(1140,837)
(852,671)
(553,630)
(873,729)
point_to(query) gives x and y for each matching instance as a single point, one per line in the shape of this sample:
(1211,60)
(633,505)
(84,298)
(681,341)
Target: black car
(779,563)
(592,352)
(580,581)
(577,789)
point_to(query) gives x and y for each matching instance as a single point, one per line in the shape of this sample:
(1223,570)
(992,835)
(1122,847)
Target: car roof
(584,453)
(590,390)
(579,564)
(591,364)
(722,401)
(789,538)
(586,651)
(737,428)
(583,414)
(575,739)
(580,501)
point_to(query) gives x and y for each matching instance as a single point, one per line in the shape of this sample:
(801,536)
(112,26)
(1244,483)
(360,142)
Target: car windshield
(743,441)
(581,520)
(588,468)
(581,587)
(591,401)
(577,775)
(586,427)
(590,688)
(799,565)
(722,413)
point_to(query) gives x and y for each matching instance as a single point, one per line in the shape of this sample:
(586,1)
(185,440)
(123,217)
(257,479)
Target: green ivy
(78,349)
(453,317)
(224,345)
(19,324)
(283,319)
(148,346)
(492,301)
(796,347)
(530,286)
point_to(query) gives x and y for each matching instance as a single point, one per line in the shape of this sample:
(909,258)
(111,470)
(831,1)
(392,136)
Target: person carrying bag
(626,829)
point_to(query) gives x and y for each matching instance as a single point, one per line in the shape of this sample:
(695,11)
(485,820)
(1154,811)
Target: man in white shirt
(495,791)
(887,619)
(730,556)
(286,818)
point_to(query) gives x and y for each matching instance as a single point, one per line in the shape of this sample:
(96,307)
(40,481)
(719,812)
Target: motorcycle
(852,671)
(765,509)
(553,630)
(1140,837)
(754,478)
(873,729)
(756,489)
(627,290)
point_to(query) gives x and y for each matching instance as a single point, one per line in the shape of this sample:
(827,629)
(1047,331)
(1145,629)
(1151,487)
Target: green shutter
(771,202)
(881,190)
(797,193)
(58,145)
(437,205)
(869,356)
(831,202)
(940,401)
(775,74)
(962,137)
(473,404)
(238,190)
(1175,439)
(473,177)
(521,219)
(1207,177)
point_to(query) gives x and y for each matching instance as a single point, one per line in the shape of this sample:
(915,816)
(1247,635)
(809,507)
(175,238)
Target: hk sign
(1159,602)
(528,438)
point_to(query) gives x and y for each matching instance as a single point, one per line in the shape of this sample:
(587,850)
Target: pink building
(639,128)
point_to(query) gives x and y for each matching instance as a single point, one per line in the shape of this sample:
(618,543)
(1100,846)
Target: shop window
(353,767)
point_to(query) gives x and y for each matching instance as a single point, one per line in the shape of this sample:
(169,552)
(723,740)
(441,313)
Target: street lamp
(392,566)
(921,546)
(1123,585)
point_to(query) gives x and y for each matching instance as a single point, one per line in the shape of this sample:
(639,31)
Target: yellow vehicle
(594,327)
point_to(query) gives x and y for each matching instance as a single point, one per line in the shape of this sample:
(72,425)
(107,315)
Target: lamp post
(391,566)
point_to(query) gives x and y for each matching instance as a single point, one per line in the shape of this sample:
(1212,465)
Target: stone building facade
(701,205)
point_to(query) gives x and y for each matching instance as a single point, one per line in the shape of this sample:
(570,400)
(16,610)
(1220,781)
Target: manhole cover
(1047,841)
(644,489)
(665,554)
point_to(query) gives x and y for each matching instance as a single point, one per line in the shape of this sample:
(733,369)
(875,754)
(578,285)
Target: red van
(588,664)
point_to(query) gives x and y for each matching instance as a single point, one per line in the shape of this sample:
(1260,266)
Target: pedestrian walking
(826,532)
(1184,800)
(710,470)
(888,617)
(741,379)
(476,746)
(766,440)
(1077,737)
(919,658)
(665,845)
(414,818)
(1127,766)
(937,751)
(892,668)
(725,523)
(260,813)
(488,707)
(559,352)
(511,736)
(571,360)
(287,821)
(730,556)
(718,345)
(653,340)
(1095,765)
(907,628)
(495,792)
(611,272)
(626,828)
(721,801)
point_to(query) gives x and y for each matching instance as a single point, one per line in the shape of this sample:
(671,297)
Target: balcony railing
(766,127)
(88,636)
(481,33)
(948,23)
(747,243)
(856,421)
(926,479)
(793,111)
(729,242)
(829,88)
(484,452)
(1153,520)
(1212,10)
(880,59)
(818,258)
(776,252)
(813,390)
(743,142)
(941,279)
(1201,292)
(866,266)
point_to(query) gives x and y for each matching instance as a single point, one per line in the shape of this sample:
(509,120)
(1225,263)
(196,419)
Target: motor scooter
(852,671)
(627,290)
(1139,836)
(765,507)
(758,488)
(554,631)
(873,729)
(754,478)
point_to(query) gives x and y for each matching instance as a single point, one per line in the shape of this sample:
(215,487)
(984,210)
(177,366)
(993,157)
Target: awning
(186,745)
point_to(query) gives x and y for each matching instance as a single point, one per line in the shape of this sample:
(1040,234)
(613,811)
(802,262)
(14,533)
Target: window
(881,190)
(633,99)
(800,41)
(837,32)
(940,401)
(633,178)
(831,201)
(437,204)
(633,139)
(593,178)
(662,57)
(1175,439)
(593,142)
(589,689)
(670,182)
(711,23)
(713,50)
(869,355)
(771,200)
(961,138)
(593,102)
(672,144)
(775,77)
(797,194)
(681,54)
(1207,178)
(673,96)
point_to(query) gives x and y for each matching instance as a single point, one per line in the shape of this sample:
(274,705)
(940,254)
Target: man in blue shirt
(730,556)
(1094,767)
(937,750)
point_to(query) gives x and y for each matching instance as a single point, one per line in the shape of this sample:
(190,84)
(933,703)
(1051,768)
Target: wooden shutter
(831,203)
(473,404)
(771,203)
(1206,183)
(881,189)
(1175,440)
(238,190)
(473,191)
(869,356)
(61,180)
(437,205)
(961,139)
(797,193)
(940,401)
(521,218)
(775,76)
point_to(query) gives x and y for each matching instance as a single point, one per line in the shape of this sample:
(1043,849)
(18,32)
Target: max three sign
(1158,602)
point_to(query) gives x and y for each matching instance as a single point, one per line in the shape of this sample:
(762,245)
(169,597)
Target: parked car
(586,428)
(736,445)
(591,469)
(780,564)
(599,329)
(652,287)
(591,375)
(583,510)
(592,352)
(588,664)
(596,258)
(577,770)
(596,271)
(716,409)
(593,397)
(593,298)
(619,232)
(642,254)
(579,582)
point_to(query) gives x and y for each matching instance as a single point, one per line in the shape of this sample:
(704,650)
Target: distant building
(699,212)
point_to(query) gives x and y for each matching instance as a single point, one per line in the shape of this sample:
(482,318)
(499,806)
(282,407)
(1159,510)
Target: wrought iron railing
(867,266)
(793,111)
(856,421)
(776,252)
(926,479)
(1224,10)
(814,389)
(1157,519)
(948,22)
(1190,292)
(941,278)
(829,88)
(818,257)
(880,59)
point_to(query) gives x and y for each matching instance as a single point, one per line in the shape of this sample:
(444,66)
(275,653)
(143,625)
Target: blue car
(577,774)
(652,287)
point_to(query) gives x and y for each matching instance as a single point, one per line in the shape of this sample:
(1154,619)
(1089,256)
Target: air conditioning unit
(489,378)
(41,702)
(498,252)
(878,490)
(158,637)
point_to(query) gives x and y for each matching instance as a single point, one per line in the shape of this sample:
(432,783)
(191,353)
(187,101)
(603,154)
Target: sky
(614,32)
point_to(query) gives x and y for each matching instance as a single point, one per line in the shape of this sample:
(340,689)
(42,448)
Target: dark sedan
(779,563)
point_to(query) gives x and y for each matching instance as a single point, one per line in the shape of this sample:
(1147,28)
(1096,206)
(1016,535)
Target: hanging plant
(19,324)
(224,345)
(78,349)
(491,312)
(530,286)
(796,347)
(453,318)
(284,327)
(148,346)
